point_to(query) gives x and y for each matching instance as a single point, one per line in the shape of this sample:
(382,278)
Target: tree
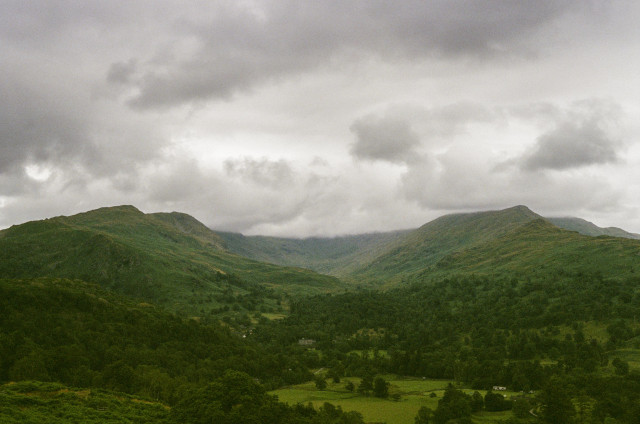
(321,383)
(424,415)
(621,367)
(118,376)
(349,386)
(556,403)
(380,388)
(30,367)
(454,405)
(366,385)
(477,403)
(521,407)
(495,402)
(336,372)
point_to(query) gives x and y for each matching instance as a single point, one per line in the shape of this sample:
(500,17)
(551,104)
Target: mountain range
(176,261)
(181,323)
(513,239)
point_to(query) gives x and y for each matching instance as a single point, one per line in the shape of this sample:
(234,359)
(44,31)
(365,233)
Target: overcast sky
(300,118)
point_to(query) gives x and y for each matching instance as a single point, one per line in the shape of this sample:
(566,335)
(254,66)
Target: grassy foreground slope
(171,259)
(51,403)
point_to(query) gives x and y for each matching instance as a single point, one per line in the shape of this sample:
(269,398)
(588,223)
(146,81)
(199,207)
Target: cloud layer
(320,118)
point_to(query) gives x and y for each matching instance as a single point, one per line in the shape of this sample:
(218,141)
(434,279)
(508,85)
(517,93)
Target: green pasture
(370,353)
(414,393)
(632,356)
(273,315)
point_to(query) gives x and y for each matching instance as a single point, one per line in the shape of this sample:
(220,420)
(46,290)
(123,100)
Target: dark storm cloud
(55,128)
(51,115)
(34,128)
(233,46)
(572,145)
(384,138)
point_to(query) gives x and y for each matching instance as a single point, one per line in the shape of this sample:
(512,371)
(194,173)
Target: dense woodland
(528,335)
(80,335)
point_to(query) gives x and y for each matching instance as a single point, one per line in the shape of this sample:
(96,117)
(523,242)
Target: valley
(158,318)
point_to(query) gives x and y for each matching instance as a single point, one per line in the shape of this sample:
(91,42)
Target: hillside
(53,403)
(505,241)
(489,298)
(171,259)
(424,247)
(74,352)
(334,256)
(590,229)
(540,247)
(82,335)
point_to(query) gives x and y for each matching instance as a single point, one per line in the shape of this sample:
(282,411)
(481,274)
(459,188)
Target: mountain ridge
(153,255)
(434,247)
(588,228)
(171,259)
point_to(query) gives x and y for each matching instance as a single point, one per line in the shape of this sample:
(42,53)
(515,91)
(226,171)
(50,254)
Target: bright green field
(414,394)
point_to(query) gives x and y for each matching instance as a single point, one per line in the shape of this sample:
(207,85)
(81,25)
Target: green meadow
(414,393)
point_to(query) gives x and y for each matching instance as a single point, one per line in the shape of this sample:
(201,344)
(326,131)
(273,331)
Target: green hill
(540,247)
(514,240)
(441,237)
(171,259)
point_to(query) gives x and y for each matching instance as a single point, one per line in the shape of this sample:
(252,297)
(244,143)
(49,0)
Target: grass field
(632,356)
(414,393)
(370,353)
(273,315)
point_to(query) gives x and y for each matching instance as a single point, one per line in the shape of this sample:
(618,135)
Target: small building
(499,388)
(306,342)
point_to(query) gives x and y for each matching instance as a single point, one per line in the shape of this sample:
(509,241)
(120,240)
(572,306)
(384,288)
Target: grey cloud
(60,130)
(450,120)
(572,145)
(122,72)
(179,181)
(263,172)
(461,113)
(234,46)
(384,138)
(463,181)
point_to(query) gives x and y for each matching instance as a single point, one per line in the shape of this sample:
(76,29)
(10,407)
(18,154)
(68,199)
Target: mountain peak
(120,208)
(521,210)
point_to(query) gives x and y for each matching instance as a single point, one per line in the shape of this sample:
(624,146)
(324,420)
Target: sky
(320,118)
